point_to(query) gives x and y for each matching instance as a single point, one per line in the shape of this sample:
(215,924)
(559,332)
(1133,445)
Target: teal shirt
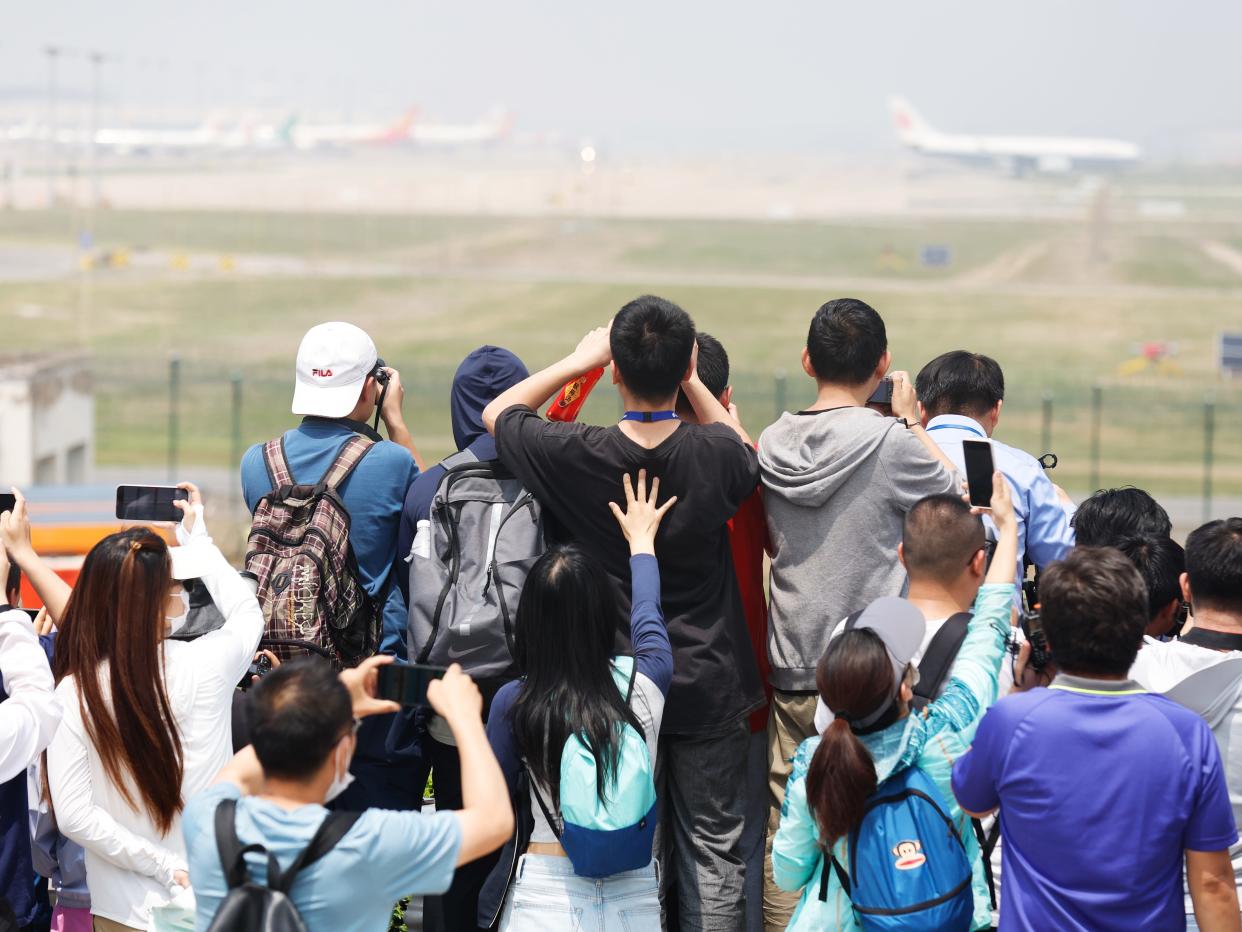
(932,741)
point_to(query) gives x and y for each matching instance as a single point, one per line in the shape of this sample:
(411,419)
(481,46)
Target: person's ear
(726,397)
(616,376)
(996,413)
(924,418)
(901,552)
(1184,582)
(806,364)
(886,362)
(907,692)
(979,564)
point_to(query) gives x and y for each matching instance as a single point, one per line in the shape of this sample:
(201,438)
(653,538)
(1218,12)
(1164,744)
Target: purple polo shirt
(1101,787)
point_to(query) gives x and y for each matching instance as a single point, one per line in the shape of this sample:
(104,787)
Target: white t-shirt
(127,858)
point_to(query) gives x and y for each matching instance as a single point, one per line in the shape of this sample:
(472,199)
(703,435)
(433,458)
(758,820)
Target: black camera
(260,668)
(1028,620)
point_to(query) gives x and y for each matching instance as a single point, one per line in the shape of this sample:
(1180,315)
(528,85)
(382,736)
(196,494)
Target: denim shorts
(547,896)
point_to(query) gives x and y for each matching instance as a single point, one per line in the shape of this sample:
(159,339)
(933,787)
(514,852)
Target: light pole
(52,53)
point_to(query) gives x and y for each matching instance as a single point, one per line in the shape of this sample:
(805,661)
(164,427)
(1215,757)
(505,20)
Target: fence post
(782,391)
(1045,432)
(174,426)
(235,449)
(1209,436)
(1097,404)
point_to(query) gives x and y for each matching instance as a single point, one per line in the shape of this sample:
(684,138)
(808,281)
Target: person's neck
(978,422)
(1214,620)
(935,600)
(293,794)
(831,395)
(1107,677)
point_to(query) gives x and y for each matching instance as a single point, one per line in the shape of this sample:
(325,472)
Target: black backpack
(250,907)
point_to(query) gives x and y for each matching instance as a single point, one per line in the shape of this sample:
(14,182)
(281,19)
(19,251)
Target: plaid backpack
(307,573)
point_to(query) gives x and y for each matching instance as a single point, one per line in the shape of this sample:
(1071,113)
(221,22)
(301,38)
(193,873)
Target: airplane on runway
(1015,155)
(494,126)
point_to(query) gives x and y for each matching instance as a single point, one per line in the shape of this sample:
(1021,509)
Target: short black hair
(846,342)
(1161,562)
(1214,565)
(300,711)
(939,537)
(1112,515)
(960,382)
(651,342)
(1093,606)
(713,364)
(14,581)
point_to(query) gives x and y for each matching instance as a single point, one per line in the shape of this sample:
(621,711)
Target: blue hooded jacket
(481,377)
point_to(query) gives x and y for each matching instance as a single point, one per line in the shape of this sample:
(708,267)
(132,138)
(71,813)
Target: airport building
(47,420)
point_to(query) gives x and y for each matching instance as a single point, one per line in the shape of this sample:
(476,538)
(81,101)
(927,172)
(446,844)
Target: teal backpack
(606,837)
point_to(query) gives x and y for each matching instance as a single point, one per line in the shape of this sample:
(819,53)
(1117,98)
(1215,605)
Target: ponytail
(855,680)
(838,782)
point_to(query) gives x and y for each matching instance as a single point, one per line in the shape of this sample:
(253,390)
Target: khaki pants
(100,924)
(791,720)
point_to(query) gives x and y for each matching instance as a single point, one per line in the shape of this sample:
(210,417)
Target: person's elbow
(491,414)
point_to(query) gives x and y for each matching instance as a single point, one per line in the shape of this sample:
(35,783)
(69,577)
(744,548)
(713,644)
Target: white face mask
(177,622)
(340,782)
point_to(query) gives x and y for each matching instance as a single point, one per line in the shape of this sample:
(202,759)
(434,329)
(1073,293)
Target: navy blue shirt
(373,496)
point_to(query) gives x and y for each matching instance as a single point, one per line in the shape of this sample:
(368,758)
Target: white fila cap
(334,361)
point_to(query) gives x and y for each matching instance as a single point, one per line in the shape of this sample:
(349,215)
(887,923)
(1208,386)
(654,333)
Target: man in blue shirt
(1103,788)
(337,392)
(304,721)
(960,397)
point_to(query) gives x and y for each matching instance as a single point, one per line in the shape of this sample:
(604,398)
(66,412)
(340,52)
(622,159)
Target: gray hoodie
(837,485)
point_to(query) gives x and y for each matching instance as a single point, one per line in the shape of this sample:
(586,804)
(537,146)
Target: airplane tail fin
(906,120)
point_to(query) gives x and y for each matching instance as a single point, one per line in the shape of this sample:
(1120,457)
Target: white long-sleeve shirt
(127,857)
(29,717)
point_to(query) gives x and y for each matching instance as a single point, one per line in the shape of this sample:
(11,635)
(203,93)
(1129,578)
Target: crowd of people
(673,678)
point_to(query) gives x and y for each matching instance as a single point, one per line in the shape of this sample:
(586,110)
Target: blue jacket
(931,741)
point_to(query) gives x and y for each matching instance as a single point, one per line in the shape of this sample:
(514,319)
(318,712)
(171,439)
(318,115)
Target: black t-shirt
(575,471)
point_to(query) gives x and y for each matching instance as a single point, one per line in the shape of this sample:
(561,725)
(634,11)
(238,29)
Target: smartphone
(883,394)
(979,469)
(149,502)
(406,683)
(8,501)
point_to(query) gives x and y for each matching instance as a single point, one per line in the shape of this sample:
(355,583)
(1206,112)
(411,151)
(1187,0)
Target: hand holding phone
(456,698)
(150,502)
(979,469)
(8,501)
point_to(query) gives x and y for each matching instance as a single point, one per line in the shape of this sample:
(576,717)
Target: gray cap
(901,627)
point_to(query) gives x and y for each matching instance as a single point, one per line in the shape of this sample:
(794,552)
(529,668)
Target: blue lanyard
(648,417)
(973,430)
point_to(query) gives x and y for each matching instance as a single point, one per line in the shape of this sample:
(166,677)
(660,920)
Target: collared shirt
(1044,532)
(1099,782)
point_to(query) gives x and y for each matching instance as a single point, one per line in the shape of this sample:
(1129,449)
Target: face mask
(340,783)
(177,622)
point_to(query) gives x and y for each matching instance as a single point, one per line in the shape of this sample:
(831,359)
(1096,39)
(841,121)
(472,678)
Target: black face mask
(380,374)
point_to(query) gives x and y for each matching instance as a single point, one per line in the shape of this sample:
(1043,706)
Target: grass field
(429,289)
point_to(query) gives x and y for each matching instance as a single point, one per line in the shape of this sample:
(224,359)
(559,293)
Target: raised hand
(641,518)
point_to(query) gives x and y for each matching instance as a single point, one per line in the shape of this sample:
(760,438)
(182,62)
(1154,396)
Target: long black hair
(566,622)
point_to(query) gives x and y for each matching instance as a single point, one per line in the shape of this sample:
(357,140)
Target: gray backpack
(486,532)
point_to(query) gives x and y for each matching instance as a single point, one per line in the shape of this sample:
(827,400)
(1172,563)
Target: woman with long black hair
(866,681)
(146,718)
(571,694)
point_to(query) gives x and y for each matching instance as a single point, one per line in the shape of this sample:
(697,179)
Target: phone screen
(979,469)
(406,683)
(149,502)
(8,501)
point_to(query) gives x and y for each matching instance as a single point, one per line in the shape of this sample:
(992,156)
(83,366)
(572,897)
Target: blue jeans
(547,896)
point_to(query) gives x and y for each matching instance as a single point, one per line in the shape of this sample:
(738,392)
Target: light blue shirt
(385,856)
(1044,532)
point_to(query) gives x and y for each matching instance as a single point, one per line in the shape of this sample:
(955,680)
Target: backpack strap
(629,690)
(543,807)
(347,460)
(331,830)
(842,876)
(938,658)
(277,463)
(987,844)
(232,852)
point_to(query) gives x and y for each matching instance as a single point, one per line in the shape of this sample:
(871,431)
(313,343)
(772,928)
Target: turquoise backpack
(606,837)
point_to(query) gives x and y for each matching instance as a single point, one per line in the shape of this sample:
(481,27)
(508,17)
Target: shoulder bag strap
(232,852)
(346,461)
(842,876)
(277,464)
(941,652)
(629,691)
(543,807)
(331,830)
(851,620)
(987,844)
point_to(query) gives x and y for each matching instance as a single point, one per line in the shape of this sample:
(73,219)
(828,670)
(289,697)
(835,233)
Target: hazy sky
(728,74)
